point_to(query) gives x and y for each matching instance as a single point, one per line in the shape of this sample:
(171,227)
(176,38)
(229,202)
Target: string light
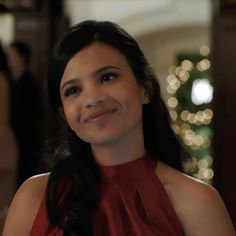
(173,115)
(170,90)
(199,118)
(202,164)
(206,173)
(177,70)
(176,128)
(190,165)
(184,76)
(202,91)
(186,122)
(204,50)
(187,65)
(209,159)
(171,69)
(172,102)
(203,65)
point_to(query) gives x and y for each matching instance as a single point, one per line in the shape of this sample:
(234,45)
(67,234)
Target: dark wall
(40,26)
(224,75)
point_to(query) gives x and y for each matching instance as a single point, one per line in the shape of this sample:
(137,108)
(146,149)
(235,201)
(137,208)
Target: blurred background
(191,47)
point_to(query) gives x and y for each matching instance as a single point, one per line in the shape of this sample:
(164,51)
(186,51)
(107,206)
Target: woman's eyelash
(103,79)
(71,90)
(108,76)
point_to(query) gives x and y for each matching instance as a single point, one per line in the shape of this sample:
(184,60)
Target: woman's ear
(145,96)
(147,91)
(146,100)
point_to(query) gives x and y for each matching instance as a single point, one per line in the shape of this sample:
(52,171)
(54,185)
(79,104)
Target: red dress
(133,203)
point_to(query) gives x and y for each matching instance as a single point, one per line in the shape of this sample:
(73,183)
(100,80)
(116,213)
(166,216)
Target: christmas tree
(189,85)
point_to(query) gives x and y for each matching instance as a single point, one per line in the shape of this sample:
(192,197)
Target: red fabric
(133,203)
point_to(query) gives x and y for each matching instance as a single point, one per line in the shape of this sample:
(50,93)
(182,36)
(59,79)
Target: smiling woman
(119,168)
(103,103)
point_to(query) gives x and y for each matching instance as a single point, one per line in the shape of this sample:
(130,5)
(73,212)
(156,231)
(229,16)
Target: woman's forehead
(95,56)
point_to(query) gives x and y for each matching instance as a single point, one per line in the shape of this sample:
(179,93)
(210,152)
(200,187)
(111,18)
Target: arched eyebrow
(68,82)
(96,72)
(102,69)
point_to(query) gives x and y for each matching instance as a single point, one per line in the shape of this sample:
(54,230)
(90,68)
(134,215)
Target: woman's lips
(98,116)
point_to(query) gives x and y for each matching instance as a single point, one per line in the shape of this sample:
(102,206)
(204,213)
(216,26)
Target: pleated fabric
(133,202)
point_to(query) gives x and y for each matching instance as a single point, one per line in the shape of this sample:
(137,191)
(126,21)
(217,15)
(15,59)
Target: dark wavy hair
(71,188)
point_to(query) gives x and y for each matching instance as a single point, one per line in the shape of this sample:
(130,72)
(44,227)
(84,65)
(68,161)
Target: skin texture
(105,110)
(103,103)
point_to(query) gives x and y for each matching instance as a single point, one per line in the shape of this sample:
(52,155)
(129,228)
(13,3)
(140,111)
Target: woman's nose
(94,96)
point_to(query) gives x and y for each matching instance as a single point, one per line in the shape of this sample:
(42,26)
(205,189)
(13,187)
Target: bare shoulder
(25,205)
(199,206)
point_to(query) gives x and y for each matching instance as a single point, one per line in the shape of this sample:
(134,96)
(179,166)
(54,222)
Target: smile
(99,116)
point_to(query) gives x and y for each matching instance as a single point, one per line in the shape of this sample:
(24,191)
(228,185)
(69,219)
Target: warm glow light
(185,126)
(172,102)
(207,143)
(198,140)
(177,70)
(202,164)
(173,115)
(171,78)
(206,173)
(187,65)
(184,75)
(209,160)
(200,115)
(204,50)
(199,118)
(208,113)
(176,128)
(171,69)
(184,115)
(190,164)
(173,82)
(170,90)
(203,65)
(202,91)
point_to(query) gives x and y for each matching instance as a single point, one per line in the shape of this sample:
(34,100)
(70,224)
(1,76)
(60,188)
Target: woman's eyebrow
(97,72)
(68,82)
(102,69)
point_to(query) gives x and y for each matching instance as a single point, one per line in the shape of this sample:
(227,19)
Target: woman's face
(101,98)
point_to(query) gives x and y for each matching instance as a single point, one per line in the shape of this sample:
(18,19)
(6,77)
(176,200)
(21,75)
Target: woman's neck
(119,153)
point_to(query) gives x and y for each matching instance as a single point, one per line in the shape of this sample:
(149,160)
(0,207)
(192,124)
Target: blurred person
(26,110)
(8,147)
(118,165)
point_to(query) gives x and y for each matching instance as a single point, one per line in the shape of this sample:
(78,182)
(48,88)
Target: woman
(117,173)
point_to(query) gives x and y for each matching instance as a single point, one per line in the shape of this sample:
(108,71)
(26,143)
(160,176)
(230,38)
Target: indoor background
(189,44)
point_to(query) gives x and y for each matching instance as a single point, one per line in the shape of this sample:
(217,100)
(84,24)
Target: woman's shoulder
(32,189)
(180,183)
(25,205)
(36,182)
(198,205)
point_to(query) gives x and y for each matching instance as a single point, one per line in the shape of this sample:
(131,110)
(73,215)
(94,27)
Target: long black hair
(75,168)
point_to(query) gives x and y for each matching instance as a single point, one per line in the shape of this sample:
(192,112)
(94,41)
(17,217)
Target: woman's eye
(71,90)
(107,77)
